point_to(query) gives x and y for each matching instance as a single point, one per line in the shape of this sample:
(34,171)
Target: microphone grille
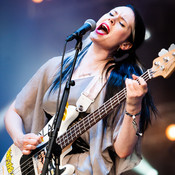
(92,23)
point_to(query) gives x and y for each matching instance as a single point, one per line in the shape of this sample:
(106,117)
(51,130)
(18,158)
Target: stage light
(144,168)
(37,1)
(170,132)
(147,34)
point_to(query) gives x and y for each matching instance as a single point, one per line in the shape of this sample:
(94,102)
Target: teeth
(103,27)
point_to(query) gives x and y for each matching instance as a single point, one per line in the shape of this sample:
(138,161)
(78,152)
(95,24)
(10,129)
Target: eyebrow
(121,16)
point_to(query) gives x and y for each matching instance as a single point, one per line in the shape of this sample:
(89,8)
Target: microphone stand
(53,147)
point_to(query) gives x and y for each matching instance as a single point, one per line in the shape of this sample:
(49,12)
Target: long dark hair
(126,63)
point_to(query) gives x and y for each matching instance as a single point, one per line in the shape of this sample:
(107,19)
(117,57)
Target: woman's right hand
(28,142)
(14,125)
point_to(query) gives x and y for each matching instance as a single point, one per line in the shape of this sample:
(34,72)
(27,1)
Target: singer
(106,64)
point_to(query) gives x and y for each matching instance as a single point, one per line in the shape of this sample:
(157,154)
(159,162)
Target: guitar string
(87,124)
(149,77)
(97,111)
(120,94)
(113,98)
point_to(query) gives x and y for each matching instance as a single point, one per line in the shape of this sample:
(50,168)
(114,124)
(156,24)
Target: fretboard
(91,119)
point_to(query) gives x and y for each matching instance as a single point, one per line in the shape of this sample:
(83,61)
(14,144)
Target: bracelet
(134,122)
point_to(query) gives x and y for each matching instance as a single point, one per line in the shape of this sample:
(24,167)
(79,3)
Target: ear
(126,45)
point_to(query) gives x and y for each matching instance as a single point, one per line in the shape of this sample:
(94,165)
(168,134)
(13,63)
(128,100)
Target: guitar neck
(90,120)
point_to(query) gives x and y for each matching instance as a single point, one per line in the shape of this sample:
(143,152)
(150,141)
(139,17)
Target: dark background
(30,34)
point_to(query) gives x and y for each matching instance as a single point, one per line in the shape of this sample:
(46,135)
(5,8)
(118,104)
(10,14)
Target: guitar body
(14,162)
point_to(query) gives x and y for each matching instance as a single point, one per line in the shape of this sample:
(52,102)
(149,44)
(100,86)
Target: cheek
(116,39)
(121,35)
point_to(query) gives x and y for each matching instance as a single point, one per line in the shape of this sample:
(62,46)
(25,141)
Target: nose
(114,18)
(111,20)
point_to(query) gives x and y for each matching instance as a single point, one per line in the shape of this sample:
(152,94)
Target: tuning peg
(162,52)
(172,46)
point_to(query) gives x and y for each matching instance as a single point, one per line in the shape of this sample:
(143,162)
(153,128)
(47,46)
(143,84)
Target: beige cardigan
(33,100)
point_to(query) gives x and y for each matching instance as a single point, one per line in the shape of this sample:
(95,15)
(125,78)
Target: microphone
(89,25)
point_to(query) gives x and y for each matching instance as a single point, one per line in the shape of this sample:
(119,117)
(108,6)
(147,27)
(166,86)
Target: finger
(30,147)
(128,82)
(142,81)
(26,152)
(31,142)
(33,139)
(134,77)
(131,85)
(143,85)
(134,89)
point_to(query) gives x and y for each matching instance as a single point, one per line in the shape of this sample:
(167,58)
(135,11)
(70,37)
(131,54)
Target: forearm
(127,139)
(13,123)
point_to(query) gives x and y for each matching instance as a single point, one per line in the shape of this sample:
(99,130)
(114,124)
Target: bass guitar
(15,163)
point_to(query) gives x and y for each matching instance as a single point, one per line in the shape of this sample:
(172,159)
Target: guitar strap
(90,93)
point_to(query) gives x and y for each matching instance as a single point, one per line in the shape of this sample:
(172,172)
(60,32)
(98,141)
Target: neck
(93,62)
(96,57)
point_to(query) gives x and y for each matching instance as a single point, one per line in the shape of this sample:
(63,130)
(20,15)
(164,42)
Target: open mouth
(103,29)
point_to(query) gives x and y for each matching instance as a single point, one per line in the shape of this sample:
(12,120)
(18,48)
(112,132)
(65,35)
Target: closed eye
(121,24)
(111,14)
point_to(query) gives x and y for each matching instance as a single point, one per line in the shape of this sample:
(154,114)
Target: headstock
(164,65)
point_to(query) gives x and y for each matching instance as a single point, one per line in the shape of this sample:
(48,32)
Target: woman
(112,145)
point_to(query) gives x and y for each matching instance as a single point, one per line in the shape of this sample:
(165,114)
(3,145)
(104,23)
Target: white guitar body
(10,163)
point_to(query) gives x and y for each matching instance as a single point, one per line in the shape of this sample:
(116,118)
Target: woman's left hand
(136,90)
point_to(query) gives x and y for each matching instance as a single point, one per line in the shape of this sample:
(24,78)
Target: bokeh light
(37,1)
(170,132)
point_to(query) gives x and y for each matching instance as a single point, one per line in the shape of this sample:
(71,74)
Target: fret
(108,107)
(71,135)
(111,103)
(66,139)
(118,98)
(78,129)
(100,113)
(62,141)
(84,126)
(74,131)
(105,108)
(92,120)
(94,117)
(89,122)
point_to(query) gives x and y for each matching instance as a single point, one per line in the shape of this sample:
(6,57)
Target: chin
(93,36)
